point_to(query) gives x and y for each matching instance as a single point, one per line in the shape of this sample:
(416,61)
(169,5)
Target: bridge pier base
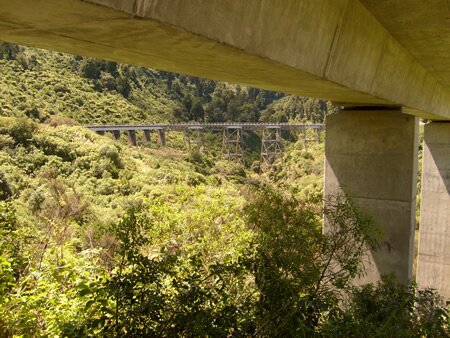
(132,138)
(433,269)
(371,155)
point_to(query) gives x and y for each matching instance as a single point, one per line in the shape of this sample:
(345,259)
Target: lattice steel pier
(271,146)
(232,144)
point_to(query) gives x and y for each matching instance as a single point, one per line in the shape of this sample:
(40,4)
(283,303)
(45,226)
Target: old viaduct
(232,140)
(384,63)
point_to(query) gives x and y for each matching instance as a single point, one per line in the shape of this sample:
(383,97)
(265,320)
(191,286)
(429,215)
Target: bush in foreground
(291,281)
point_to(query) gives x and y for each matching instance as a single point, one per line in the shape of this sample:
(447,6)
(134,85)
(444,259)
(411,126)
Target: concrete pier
(148,136)
(371,155)
(162,137)
(132,138)
(116,134)
(433,266)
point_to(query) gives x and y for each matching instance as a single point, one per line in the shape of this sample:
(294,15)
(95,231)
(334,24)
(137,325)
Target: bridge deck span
(206,126)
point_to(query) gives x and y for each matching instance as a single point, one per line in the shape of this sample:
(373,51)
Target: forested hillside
(40,84)
(98,238)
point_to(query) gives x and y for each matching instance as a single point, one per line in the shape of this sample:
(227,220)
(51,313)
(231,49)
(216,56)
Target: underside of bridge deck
(332,49)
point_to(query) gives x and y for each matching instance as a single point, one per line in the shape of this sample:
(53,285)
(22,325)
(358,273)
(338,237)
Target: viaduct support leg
(148,136)
(132,138)
(162,137)
(116,134)
(371,155)
(100,132)
(433,269)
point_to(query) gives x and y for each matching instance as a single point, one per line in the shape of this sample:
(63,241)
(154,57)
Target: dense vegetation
(101,239)
(40,84)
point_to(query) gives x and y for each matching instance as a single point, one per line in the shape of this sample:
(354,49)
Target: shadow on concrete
(372,157)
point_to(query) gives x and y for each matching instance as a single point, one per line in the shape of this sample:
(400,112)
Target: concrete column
(132,138)
(433,263)
(162,137)
(148,136)
(100,132)
(116,134)
(371,155)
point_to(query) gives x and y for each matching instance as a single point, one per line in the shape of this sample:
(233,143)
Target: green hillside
(68,188)
(39,84)
(98,238)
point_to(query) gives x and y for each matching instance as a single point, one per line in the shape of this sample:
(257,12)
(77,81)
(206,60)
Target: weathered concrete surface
(433,269)
(372,157)
(423,27)
(332,49)
(148,136)
(132,140)
(116,134)
(161,137)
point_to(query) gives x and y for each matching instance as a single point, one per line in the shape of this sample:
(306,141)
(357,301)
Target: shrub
(107,81)
(166,295)
(57,120)
(229,169)
(8,51)
(390,309)
(91,69)
(123,86)
(301,273)
(5,190)
(112,153)
(33,113)
(21,130)
(195,179)
(201,162)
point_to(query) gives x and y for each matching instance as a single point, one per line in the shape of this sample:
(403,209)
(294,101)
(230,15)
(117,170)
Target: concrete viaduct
(383,62)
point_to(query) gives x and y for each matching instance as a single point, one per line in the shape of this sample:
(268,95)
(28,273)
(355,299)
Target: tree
(295,266)
(5,190)
(197,112)
(167,295)
(123,86)
(305,277)
(392,309)
(8,51)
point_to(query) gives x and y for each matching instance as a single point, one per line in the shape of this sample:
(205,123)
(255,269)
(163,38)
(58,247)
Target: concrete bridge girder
(332,49)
